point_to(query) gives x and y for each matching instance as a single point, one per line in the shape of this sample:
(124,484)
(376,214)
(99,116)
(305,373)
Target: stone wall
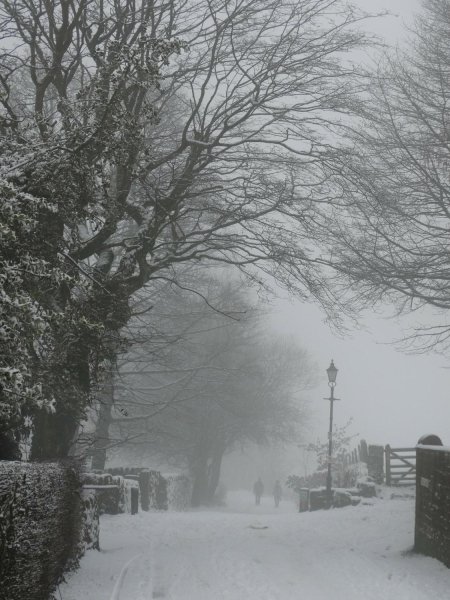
(432,530)
(375,463)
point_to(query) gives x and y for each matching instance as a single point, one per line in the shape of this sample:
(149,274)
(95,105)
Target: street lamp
(332,374)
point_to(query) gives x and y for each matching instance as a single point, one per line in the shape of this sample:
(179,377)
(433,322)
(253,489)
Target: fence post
(387,451)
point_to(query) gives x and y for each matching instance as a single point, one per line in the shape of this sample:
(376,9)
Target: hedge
(179,492)
(42,528)
(157,491)
(90,529)
(113,501)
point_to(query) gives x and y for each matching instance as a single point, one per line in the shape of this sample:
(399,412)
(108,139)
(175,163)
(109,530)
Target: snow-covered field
(244,552)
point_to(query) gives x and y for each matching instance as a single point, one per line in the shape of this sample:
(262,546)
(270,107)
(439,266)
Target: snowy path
(257,553)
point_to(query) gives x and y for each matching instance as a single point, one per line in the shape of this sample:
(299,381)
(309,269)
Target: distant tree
(156,371)
(228,384)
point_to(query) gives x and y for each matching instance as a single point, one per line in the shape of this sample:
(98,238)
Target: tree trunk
(214,474)
(103,423)
(53,434)
(200,488)
(9,444)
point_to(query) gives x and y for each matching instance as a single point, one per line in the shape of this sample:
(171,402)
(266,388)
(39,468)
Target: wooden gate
(400,465)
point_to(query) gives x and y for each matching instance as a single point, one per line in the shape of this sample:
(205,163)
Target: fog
(224,299)
(394,398)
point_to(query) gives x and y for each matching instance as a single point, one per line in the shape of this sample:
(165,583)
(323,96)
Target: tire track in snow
(119,583)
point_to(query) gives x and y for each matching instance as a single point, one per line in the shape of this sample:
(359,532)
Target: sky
(393,398)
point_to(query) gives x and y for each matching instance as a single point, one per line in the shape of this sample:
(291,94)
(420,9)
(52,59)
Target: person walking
(277,493)
(258,490)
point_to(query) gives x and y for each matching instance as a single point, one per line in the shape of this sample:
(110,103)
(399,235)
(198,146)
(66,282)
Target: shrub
(41,527)
(296,483)
(179,492)
(158,491)
(90,531)
(125,486)
(107,490)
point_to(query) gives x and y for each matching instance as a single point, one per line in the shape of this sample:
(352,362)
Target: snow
(436,448)
(244,552)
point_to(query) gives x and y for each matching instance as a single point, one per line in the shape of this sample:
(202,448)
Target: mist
(224,299)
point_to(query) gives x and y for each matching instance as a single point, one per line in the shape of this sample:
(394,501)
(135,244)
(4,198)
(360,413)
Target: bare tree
(390,233)
(235,385)
(236,177)
(156,372)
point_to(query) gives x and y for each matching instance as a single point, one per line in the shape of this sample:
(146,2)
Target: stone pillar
(375,463)
(364,452)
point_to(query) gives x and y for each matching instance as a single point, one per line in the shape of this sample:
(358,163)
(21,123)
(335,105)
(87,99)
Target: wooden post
(387,451)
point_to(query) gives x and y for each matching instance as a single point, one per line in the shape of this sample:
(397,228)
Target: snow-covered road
(245,552)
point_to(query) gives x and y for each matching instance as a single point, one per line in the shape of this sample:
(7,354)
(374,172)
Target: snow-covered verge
(244,552)
(45,526)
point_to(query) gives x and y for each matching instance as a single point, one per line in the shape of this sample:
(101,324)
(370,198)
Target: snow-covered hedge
(94,478)
(42,533)
(126,487)
(179,492)
(157,491)
(109,500)
(90,528)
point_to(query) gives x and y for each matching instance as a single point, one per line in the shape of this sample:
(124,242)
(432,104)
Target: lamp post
(332,373)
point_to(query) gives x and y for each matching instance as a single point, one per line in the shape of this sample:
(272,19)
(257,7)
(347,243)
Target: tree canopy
(167,133)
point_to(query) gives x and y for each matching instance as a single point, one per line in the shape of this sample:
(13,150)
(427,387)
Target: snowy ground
(245,552)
